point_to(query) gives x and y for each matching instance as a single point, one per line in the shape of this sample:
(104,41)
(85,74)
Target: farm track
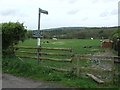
(10,81)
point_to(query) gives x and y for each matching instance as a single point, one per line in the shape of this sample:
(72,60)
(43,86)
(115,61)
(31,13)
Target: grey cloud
(105,1)
(94,1)
(9,12)
(114,12)
(69,1)
(84,19)
(72,12)
(104,14)
(72,1)
(12,12)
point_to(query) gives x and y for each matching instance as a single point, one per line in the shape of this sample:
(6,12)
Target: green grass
(17,67)
(76,44)
(30,68)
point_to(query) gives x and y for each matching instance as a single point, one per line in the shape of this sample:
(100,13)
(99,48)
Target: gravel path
(10,81)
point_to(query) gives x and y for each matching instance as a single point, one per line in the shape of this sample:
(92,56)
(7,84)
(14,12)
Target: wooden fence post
(113,70)
(38,54)
(78,67)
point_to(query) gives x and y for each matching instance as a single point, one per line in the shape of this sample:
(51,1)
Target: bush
(12,33)
(13,64)
(116,40)
(70,74)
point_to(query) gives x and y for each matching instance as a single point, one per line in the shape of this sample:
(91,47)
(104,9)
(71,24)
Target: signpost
(37,33)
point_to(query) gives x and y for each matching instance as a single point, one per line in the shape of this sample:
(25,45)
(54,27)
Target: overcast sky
(62,13)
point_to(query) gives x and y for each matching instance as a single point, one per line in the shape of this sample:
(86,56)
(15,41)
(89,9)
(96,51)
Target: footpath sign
(36,33)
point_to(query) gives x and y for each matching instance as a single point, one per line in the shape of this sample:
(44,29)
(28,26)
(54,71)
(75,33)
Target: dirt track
(10,81)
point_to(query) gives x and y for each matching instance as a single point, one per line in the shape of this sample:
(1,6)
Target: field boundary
(40,52)
(73,57)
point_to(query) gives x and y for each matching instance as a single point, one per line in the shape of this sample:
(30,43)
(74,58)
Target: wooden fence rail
(45,58)
(104,58)
(98,56)
(46,48)
(39,53)
(45,53)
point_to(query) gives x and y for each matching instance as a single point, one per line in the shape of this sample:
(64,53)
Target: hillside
(75,28)
(65,28)
(79,32)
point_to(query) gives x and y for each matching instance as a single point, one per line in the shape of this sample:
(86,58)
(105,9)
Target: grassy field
(76,44)
(30,68)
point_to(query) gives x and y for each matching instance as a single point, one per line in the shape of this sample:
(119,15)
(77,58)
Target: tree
(12,33)
(29,34)
(116,41)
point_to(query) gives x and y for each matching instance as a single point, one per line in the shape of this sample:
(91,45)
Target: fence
(100,68)
(96,66)
(39,54)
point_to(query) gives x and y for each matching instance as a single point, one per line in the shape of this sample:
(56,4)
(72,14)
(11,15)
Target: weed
(70,74)
(53,77)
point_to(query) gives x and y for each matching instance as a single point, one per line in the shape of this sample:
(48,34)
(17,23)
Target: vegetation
(116,40)
(22,68)
(78,33)
(12,33)
(30,68)
(76,44)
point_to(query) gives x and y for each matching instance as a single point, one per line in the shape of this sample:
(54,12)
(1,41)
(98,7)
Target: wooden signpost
(37,33)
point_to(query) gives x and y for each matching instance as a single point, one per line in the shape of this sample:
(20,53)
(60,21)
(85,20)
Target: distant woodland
(77,33)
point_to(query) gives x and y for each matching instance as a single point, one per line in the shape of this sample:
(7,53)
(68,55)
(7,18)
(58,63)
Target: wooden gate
(100,68)
(39,52)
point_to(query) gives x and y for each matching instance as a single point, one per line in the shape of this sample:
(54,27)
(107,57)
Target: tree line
(77,33)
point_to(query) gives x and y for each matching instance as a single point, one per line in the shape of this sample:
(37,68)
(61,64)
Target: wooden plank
(44,53)
(101,60)
(59,60)
(95,70)
(38,55)
(57,54)
(113,71)
(46,48)
(26,52)
(95,78)
(26,47)
(63,49)
(59,69)
(44,58)
(78,65)
(97,56)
